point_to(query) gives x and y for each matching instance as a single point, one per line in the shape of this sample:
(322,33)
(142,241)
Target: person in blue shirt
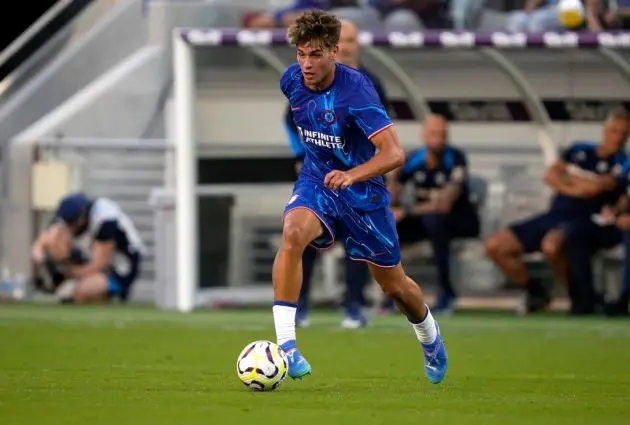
(441,209)
(357,273)
(619,217)
(341,193)
(583,179)
(604,231)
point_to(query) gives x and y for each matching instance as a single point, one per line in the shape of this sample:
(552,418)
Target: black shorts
(532,231)
(419,227)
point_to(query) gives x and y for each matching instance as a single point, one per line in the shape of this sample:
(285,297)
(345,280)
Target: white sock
(284,319)
(425,330)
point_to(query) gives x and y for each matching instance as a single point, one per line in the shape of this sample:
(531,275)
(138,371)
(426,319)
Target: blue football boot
(435,359)
(298,366)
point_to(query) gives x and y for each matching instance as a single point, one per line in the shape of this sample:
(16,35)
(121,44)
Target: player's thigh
(531,232)
(370,236)
(94,287)
(503,243)
(553,242)
(308,217)
(301,225)
(411,229)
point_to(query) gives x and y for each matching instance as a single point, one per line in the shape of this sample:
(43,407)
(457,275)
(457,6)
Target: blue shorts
(532,231)
(367,235)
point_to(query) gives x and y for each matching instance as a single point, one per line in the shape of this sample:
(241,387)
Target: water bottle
(19,287)
(6,285)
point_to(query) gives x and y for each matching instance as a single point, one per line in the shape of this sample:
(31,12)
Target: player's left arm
(371,117)
(102,251)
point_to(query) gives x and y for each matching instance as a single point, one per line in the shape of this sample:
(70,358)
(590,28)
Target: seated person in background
(284,17)
(357,273)
(537,16)
(621,305)
(441,209)
(584,239)
(608,15)
(409,15)
(583,181)
(116,248)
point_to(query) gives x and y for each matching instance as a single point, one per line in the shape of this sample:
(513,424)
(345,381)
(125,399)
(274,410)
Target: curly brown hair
(315,25)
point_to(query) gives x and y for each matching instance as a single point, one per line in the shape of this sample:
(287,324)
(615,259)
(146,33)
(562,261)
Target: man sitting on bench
(441,209)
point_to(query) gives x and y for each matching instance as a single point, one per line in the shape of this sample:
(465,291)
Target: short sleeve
(460,167)
(367,110)
(107,231)
(567,154)
(378,87)
(295,141)
(414,161)
(619,164)
(286,81)
(624,174)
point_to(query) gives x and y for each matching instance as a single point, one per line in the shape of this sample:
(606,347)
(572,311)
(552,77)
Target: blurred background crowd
(415,15)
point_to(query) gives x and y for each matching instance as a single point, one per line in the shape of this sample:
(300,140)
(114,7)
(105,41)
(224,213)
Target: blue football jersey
(582,160)
(335,126)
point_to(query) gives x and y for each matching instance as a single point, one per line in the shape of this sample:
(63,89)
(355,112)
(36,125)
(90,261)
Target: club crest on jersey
(328,117)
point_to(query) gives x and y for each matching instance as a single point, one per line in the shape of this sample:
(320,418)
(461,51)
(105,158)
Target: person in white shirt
(116,250)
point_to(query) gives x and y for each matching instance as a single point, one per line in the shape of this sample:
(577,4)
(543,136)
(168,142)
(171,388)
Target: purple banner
(441,39)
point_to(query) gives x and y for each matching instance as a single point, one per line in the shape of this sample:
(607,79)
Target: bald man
(357,273)
(440,209)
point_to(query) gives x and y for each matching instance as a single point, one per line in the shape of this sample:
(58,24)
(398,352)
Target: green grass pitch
(139,366)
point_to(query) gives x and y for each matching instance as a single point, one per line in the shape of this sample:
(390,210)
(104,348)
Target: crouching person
(116,250)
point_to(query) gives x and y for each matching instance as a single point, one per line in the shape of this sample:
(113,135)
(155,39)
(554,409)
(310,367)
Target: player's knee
(492,246)
(393,281)
(552,248)
(295,238)
(393,289)
(500,245)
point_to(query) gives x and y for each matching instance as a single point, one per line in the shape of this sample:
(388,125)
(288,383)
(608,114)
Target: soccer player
(341,193)
(357,273)
(441,209)
(116,248)
(583,180)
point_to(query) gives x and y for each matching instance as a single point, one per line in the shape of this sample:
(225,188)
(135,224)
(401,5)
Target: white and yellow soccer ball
(262,366)
(571,13)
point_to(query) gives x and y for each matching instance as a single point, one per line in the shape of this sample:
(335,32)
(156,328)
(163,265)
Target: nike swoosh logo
(295,108)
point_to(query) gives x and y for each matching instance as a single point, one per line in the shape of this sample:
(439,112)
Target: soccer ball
(571,13)
(262,366)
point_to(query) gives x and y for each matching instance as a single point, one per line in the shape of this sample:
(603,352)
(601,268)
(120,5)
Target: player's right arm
(295,142)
